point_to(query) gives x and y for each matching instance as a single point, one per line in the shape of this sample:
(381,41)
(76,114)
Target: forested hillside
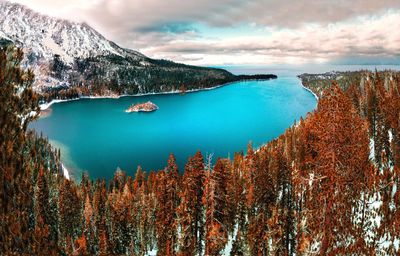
(327,186)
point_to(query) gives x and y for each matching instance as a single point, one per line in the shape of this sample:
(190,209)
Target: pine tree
(265,194)
(185,212)
(190,211)
(99,212)
(42,199)
(199,177)
(119,203)
(284,229)
(217,211)
(88,224)
(237,194)
(69,213)
(168,200)
(43,240)
(103,241)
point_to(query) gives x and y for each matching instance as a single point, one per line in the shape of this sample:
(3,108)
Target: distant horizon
(296,65)
(234,32)
(293,69)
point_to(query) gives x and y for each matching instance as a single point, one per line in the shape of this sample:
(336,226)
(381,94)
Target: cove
(97,136)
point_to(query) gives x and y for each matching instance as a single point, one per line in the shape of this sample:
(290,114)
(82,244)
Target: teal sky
(232,32)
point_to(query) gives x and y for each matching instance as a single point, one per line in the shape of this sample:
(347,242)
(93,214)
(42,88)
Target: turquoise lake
(97,136)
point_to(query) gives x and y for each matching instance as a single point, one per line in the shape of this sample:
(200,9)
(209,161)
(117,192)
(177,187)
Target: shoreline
(313,93)
(308,89)
(47,105)
(294,124)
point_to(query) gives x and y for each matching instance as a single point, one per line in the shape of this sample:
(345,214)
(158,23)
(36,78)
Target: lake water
(97,136)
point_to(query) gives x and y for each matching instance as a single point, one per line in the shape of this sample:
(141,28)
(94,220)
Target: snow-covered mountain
(64,53)
(46,36)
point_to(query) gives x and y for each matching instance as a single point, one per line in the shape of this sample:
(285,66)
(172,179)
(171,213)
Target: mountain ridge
(73,59)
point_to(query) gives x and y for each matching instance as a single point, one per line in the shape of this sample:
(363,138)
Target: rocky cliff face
(64,54)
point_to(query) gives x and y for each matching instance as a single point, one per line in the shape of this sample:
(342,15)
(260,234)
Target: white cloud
(364,36)
(283,30)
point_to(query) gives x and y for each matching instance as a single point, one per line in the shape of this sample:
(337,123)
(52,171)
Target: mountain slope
(66,54)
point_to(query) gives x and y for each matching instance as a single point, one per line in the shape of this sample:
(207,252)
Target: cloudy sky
(226,32)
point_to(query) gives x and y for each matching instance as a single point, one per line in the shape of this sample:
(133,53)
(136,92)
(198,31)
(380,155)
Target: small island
(142,107)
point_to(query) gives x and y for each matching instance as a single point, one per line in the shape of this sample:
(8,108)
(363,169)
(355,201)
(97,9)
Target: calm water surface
(98,136)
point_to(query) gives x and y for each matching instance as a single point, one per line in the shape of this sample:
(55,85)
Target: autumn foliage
(327,186)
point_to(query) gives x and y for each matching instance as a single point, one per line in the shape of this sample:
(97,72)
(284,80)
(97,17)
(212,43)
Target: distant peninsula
(142,107)
(256,77)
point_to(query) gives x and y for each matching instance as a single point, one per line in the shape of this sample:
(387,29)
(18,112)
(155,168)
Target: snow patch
(2,35)
(56,49)
(65,171)
(372,150)
(45,106)
(151,253)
